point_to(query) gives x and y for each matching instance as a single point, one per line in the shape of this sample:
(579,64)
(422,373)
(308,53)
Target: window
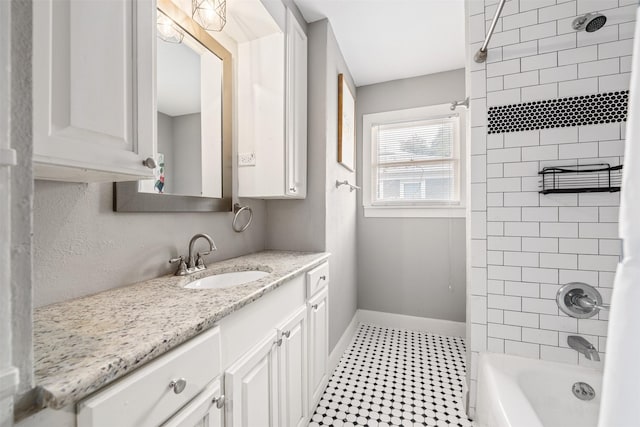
(413,162)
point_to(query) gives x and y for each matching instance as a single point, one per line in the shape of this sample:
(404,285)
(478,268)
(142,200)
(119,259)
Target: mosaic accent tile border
(562,112)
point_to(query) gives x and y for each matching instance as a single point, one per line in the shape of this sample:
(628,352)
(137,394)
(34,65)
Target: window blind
(416,162)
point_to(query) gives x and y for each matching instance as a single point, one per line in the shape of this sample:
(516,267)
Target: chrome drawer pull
(178,385)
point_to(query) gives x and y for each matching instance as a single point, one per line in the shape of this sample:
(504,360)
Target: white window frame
(411,209)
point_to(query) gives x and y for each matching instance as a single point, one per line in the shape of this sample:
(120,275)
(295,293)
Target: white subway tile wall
(530,244)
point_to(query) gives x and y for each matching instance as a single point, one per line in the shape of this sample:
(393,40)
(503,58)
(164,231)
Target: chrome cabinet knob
(219,401)
(149,162)
(293,189)
(314,306)
(323,277)
(178,385)
(286,334)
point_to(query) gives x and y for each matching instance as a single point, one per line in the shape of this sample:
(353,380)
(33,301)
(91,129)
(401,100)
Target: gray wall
(341,205)
(21,190)
(187,154)
(83,247)
(406,265)
(179,139)
(325,220)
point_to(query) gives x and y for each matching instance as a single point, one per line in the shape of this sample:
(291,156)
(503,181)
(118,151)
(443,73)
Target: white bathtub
(521,392)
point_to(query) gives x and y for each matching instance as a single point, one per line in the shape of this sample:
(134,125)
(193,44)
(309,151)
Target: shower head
(590,22)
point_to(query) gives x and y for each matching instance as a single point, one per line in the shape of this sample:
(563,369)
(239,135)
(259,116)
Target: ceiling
(384,40)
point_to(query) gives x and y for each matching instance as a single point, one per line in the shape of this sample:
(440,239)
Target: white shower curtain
(620,404)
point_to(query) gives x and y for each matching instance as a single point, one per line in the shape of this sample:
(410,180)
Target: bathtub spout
(583,346)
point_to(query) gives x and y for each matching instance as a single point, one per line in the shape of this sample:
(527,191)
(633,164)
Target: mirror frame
(127,197)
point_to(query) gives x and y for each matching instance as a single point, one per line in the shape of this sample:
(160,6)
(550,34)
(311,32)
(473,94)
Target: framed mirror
(193,122)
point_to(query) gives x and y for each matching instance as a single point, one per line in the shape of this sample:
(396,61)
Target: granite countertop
(84,344)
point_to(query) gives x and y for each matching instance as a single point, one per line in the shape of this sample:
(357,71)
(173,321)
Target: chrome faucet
(583,346)
(194,264)
(199,262)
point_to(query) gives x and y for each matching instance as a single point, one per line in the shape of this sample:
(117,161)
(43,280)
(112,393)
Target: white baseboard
(391,320)
(343,343)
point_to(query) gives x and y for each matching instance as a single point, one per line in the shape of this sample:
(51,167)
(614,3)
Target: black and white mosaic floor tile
(395,377)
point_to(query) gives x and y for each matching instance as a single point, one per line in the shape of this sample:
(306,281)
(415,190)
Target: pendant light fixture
(168,30)
(210,14)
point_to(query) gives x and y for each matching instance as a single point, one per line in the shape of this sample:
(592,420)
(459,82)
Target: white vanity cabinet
(318,307)
(279,381)
(263,365)
(267,386)
(272,112)
(93,91)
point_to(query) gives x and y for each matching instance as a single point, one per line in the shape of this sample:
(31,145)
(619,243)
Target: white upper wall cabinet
(296,105)
(272,111)
(93,89)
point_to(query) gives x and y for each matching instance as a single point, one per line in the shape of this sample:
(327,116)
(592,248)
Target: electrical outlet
(246,159)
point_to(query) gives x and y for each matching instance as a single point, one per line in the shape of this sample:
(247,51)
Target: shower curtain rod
(481,55)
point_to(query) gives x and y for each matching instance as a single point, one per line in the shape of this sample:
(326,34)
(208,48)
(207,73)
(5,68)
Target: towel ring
(237,209)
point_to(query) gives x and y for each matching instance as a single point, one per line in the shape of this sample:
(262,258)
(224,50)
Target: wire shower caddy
(592,178)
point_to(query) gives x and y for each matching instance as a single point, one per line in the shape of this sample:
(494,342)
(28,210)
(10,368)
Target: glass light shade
(168,30)
(210,14)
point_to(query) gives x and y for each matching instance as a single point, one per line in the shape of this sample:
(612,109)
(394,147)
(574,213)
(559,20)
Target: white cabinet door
(318,345)
(251,387)
(261,116)
(205,410)
(292,355)
(272,112)
(93,89)
(296,105)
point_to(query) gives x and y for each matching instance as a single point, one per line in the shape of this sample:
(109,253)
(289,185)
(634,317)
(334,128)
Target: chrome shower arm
(481,55)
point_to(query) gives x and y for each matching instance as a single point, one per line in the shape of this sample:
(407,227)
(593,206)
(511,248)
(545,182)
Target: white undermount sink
(226,280)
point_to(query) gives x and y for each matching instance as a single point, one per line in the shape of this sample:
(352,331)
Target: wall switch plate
(246,159)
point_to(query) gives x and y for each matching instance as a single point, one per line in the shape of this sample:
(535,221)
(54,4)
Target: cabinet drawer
(317,278)
(144,397)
